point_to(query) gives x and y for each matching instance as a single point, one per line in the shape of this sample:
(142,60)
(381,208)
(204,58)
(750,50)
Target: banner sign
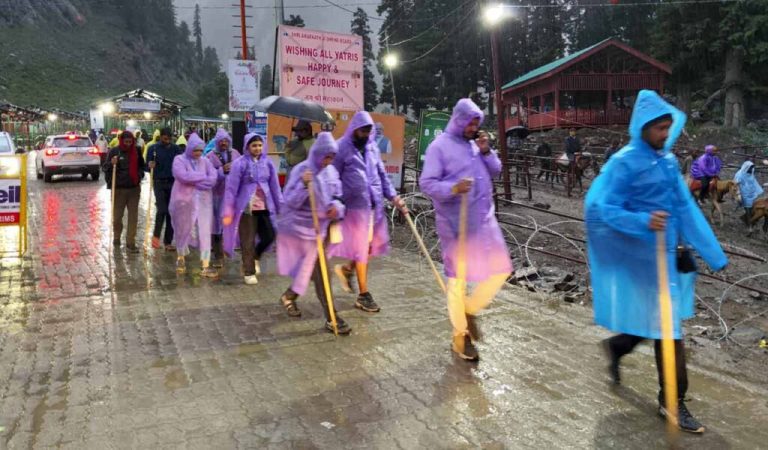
(325,68)
(139,105)
(431,125)
(256,122)
(244,91)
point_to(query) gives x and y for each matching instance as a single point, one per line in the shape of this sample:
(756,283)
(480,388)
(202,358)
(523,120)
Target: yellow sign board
(13,196)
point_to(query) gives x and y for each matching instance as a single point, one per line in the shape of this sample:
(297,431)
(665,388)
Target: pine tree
(360,27)
(265,81)
(197,29)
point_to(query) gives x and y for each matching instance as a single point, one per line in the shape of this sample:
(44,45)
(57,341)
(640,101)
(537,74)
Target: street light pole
(494,15)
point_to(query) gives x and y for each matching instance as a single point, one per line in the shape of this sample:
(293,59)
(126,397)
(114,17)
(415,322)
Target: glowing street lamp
(390,60)
(131,123)
(52,117)
(107,108)
(147,115)
(494,13)
(225,116)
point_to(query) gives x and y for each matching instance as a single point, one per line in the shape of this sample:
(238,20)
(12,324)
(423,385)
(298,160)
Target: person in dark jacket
(127,162)
(572,145)
(160,158)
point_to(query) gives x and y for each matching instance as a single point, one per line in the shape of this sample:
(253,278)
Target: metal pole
(394,97)
(242,29)
(274,59)
(500,113)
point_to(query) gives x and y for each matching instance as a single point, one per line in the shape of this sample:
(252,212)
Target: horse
(583,161)
(759,211)
(547,164)
(717,191)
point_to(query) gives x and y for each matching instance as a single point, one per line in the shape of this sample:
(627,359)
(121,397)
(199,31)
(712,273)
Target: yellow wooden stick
(667,335)
(425,251)
(321,257)
(149,214)
(461,260)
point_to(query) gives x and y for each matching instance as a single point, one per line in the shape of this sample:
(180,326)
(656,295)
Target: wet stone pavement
(167,361)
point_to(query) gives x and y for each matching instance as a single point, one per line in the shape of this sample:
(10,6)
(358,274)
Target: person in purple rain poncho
(705,169)
(297,255)
(191,205)
(454,165)
(251,200)
(365,184)
(222,157)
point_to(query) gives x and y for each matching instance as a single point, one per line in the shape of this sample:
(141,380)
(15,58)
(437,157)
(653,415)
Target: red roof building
(595,86)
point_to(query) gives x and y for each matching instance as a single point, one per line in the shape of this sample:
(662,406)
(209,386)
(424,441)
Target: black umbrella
(519,131)
(295,108)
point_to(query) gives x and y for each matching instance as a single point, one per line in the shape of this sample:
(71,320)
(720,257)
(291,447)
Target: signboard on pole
(13,196)
(139,105)
(431,125)
(244,92)
(325,68)
(97,119)
(256,122)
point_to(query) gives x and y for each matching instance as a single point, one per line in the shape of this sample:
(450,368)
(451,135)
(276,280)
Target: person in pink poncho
(454,165)
(297,255)
(251,201)
(222,156)
(191,205)
(365,185)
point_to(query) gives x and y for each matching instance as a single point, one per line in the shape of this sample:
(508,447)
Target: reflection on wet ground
(183,362)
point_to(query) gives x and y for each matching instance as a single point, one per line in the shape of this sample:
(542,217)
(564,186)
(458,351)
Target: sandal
(289,303)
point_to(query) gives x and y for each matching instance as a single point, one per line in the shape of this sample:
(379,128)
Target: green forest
(717,49)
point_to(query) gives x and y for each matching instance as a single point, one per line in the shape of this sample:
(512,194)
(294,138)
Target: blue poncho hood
(650,106)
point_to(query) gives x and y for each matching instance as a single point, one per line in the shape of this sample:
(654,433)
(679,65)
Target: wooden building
(595,86)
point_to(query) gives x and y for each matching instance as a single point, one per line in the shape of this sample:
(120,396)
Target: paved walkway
(180,362)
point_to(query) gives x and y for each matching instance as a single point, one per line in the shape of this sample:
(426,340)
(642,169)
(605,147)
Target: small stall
(204,125)
(137,109)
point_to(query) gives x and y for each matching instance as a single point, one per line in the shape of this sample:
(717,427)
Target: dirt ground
(730,321)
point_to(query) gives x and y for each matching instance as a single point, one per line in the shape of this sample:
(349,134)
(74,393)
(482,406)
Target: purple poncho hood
(359,120)
(463,113)
(707,165)
(193,142)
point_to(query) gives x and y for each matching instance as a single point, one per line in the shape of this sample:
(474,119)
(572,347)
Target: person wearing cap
(640,194)
(298,148)
(160,158)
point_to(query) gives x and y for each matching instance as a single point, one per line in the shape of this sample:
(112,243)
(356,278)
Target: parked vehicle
(69,153)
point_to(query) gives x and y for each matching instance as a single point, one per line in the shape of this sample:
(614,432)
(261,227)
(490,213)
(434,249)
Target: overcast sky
(218,22)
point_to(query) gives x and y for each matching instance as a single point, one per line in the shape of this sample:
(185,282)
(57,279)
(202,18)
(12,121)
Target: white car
(68,154)
(6,144)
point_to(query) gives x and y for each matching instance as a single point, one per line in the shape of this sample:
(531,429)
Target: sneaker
(209,272)
(251,280)
(170,248)
(132,249)
(685,421)
(366,303)
(341,326)
(155,242)
(218,264)
(345,277)
(613,362)
(464,349)
(181,266)
(472,328)
(257,265)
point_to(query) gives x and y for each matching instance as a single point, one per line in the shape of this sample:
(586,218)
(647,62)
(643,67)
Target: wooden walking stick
(149,213)
(669,367)
(112,229)
(461,260)
(425,251)
(321,257)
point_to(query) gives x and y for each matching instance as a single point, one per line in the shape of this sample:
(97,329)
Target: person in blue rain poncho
(640,192)
(749,189)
